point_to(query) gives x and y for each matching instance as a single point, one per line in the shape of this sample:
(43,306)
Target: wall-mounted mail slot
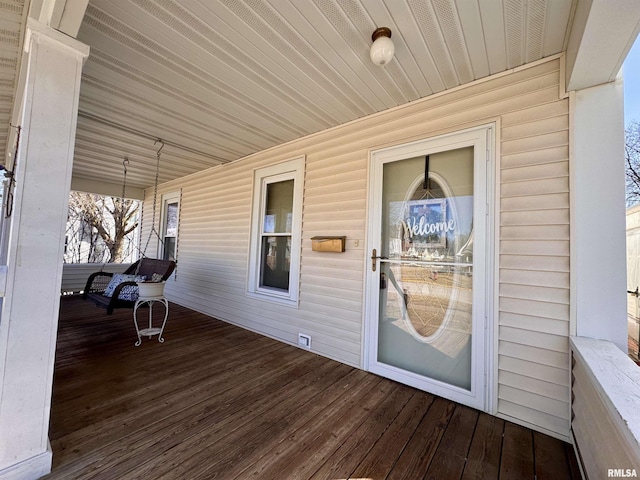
(328,244)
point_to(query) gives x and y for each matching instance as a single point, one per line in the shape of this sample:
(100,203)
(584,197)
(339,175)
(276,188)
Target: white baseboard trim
(29,469)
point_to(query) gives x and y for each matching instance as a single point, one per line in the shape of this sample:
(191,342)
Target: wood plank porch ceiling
(216,401)
(227,78)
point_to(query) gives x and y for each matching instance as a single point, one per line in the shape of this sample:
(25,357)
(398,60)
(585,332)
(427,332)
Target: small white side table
(151,331)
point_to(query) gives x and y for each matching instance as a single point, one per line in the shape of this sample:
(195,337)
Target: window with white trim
(169,222)
(274,259)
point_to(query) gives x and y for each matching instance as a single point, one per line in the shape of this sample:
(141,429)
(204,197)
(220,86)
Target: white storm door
(429,286)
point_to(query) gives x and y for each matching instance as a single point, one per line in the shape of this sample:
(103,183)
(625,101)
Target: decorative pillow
(156,277)
(129,292)
(117,279)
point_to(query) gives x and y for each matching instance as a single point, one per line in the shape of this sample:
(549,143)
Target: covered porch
(240,89)
(218,401)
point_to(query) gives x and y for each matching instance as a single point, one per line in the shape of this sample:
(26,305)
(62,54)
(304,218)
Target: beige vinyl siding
(533,228)
(534,267)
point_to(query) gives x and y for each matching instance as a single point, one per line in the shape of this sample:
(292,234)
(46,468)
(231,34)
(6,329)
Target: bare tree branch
(102,224)
(632,158)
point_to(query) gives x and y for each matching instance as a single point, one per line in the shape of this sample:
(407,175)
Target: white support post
(29,319)
(598,254)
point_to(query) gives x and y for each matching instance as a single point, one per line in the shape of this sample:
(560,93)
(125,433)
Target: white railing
(74,275)
(605,409)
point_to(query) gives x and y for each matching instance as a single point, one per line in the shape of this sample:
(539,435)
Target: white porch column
(50,87)
(598,242)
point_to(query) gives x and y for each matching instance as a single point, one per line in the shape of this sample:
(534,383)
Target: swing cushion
(127,291)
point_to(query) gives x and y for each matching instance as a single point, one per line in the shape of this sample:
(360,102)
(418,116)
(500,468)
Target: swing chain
(11,174)
(125,162)
(155,197)
(155,189)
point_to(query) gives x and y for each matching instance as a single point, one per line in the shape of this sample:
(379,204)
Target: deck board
(486,448)
(215,401)
(517,461)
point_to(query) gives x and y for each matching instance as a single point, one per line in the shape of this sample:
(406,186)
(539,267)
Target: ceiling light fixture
(382,48)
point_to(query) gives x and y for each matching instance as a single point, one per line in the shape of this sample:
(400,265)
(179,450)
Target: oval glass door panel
(426,269)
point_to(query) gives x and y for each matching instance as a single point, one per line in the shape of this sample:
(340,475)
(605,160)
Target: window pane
(275,262)
(169,248)
(171,225)
(279,207)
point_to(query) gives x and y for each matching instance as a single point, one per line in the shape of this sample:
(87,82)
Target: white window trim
(289,170)
(165,199)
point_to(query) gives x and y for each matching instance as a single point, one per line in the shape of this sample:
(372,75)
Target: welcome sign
(426,224)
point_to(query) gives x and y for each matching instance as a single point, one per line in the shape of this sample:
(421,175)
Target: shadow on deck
(217,401)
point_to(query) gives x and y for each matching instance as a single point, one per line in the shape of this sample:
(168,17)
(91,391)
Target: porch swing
(120,290)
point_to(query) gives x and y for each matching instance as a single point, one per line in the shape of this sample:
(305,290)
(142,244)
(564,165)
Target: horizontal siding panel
(225,225)
(338,289)
(214,262)
(339,165)
(540,112)
(558,376)
(335,262)
(204,284)
(315,198)
(535,127)
(323,223)
(542,156)
(191,215)
(535,217)
(527,232)
(336,301)
(339,209)
(553,311)
(533,323)
(549,422)
(530,144)
(346,329)
(535,262)
(535,172)
(534,202)
(359,175)
(328,186)
(236,191)
(534,354)
(537,187)
(322,274)
(530,277)
(540,340)
(534,247)
(235,251)
(528,384)
(540,403)
(528,292)
(194,205)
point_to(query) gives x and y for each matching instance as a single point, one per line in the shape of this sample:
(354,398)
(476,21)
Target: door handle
(374,258)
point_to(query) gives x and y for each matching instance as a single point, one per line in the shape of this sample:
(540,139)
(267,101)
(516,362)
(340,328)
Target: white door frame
(482,138)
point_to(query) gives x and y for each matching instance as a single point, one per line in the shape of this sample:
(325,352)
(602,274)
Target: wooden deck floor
(218,402)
